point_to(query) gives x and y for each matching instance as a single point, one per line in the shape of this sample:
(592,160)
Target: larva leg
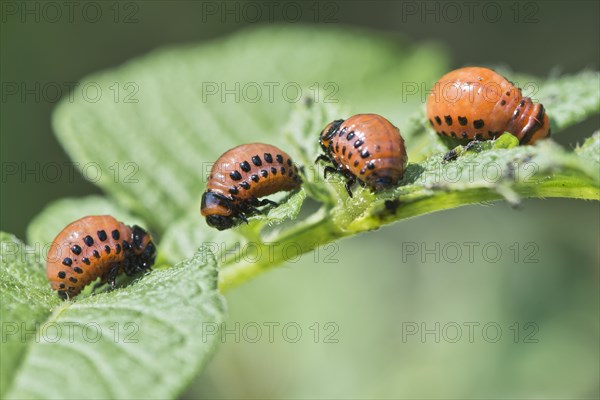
(112,276)
(322,157)
(351,180)
(328,169)
(267,202)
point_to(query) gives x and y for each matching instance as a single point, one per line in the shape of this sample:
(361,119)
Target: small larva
(240,177)
(367,148)
(93,247)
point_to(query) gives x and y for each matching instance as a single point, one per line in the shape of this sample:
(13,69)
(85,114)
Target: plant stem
(312,235)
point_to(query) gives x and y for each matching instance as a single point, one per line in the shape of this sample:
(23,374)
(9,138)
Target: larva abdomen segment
(253,171)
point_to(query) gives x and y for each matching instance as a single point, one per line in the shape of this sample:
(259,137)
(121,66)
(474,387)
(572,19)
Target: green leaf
(570,99)
(26,300)
(120,344)
(162,129)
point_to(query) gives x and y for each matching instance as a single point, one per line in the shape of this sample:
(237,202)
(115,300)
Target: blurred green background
(370,294)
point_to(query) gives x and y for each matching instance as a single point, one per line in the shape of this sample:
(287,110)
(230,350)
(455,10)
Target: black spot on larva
(279,158)
(344,150)
(443,133)
(431,122)
(448,119)
(343,131)
(337,147)
(358,143)
(463,121)
(233,190)
(268,157)
(356,163)
(290,172)
(438,120)
(73,279)
(86,261)
(115,234)
(78,270)
(282,170)
(516,114)
(365,153)
(478,136)
(464,135)
(126,246)
(76,249)
(62,275)
(67,261)
(363,170)
(371,165)
(452,133)
(274,170)
(245,166)
(107,249)
(522,103)
(117,248)
(256,161)
(350,135)
(255,178)
(88,240)
(62,286)
(97,255)
(289,162)
(245,185)
(508,92)
(264,173)
(102,235)
(503,103)
(235,175)
(478,124)
(62,294)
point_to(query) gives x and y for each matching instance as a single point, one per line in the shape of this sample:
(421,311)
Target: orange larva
(478,103)
(367,148)
(97,247)
(240,177)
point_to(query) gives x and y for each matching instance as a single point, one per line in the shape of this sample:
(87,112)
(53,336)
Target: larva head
(143,250)
(218,210)
(329,132)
